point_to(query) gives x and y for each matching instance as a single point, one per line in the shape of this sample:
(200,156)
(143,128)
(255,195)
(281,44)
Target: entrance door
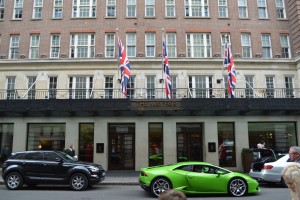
(121,146)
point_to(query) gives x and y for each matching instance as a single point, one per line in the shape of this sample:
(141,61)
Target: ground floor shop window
(155,144)
(278,136)
(189,142)
(6,141)
(86,142)
(46,136)
(226,141)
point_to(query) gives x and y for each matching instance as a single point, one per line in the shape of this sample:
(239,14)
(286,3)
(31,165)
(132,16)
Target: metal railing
(143,93)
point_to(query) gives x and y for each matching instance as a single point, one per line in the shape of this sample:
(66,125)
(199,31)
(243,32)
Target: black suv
(49,167)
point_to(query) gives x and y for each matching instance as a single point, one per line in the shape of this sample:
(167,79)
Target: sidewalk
(114,178)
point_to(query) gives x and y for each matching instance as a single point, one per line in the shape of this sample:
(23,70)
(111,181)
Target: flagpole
(223,81)
(162,61)
(118,60)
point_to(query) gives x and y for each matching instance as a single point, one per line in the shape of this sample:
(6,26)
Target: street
(124,192)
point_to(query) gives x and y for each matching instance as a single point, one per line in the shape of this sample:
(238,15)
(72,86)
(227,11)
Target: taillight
(267,167)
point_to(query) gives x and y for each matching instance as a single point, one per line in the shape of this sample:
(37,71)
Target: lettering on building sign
(156,105)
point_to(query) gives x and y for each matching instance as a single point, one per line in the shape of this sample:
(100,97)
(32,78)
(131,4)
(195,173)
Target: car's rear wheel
(283,183)
(14,181)
(237,187)
(78,182)
(159,185)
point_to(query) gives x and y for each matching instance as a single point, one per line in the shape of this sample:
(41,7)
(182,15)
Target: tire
(283,183)
(78,182)
(14,181)
(237,187)
(159,185)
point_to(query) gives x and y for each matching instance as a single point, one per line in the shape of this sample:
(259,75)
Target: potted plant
(247,159)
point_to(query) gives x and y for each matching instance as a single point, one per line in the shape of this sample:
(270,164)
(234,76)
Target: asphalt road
(123,192)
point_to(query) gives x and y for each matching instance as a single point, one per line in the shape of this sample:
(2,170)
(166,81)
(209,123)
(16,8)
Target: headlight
(93,169)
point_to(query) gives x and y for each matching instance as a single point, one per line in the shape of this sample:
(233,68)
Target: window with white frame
(37,9)
(18,9)
(80,87)
(2,6)
(109,45)
(175,92)
(150,82)
(270,85)
(57,9)
(197,8)
(110,8)
(131,87)
(109,87)
(171,45)
(52,87)
(14,46)
(31,87)
(82,45)
(150,44)
(131,44)
(131,8)
(246,45)
(149,8)
(266,46)
(249,86)
(170,8)
(285,46)
(200,86)
(262,9)
(225,37)
(55,46)
(198,45)
(223,8)
(34,51)
(280,9)
(10,87)
(289,86)
(243,8)
(84,8)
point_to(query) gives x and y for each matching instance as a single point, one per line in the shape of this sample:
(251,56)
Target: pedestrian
(294,154)
(5,153)
(291,176)
(172,195)
(70,151)
(261,145)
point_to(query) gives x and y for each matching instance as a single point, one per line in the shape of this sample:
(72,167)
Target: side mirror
(59,160)
(220,173)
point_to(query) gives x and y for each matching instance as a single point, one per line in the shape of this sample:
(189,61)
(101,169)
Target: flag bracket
(119,80)
(161,80)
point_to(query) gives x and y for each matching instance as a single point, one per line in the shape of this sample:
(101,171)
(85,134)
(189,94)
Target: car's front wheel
(78,182)
(237,187)
(159,185)
(14,181)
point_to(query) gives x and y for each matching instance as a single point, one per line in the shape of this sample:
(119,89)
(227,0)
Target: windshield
(66,156)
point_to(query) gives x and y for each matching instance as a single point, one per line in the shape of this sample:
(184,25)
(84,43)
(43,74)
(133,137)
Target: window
(46,137)
(34,46)
(155,144)
(266,45)
(171,45)
(246,45)
(86,142)
(34,156)
(37,9)
(150,44)
(170,8)
(131,8)
(110,8)
(149,8)
(131,44)
(225,37)
(109,86)
(150,86)
(14,46)
(226,141)
(2,6)
(131,87)
(55,46)
(57,9)
(289,87)
(196,8)
(270,86)
(243,8)
(174,87)
(84,8)
(82,46)
(10,87)
(18,9)
(249,86)
(109,45)
(80,87)
(280,9)
(223,9)
(200,86)
(6,135)
(31,87)
(198,45)
(285,46)
(52,87)
(262,9)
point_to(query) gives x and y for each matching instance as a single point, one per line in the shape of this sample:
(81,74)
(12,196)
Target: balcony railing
(143,93)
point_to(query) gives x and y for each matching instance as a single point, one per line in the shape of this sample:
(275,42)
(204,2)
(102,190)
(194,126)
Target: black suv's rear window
(18,156)
(34,156)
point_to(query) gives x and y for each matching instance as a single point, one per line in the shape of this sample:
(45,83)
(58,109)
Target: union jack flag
(229,64)
(124,67)
(167,78)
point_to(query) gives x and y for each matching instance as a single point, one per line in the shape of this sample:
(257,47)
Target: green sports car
(196,178)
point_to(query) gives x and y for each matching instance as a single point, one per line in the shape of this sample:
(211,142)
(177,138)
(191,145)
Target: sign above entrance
(156,105)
